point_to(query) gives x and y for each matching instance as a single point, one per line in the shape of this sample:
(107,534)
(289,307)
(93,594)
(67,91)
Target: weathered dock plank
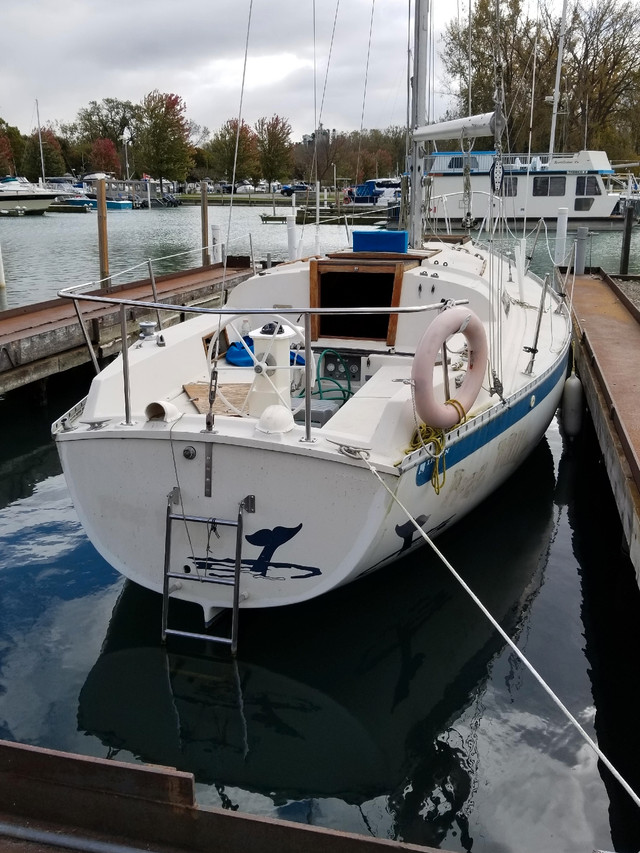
(607,351)
(58,795)
(39,340)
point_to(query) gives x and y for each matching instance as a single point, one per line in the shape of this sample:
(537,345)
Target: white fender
(451,321)
(572,405)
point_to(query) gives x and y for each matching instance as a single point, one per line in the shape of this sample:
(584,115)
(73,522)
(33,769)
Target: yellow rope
(425,435)
(462,415)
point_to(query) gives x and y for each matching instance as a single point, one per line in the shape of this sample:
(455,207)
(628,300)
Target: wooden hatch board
(234,392)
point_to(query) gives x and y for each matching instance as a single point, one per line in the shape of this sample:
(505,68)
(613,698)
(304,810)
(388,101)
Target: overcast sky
(70,52)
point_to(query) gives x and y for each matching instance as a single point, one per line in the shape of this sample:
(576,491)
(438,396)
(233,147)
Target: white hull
(322,518)
(19,197)
(18,204)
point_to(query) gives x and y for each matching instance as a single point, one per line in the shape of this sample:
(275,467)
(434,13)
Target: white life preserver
(454,320)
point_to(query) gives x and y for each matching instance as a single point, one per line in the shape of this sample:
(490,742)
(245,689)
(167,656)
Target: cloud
(87,50)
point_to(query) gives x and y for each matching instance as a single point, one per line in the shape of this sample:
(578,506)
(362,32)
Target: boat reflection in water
(350,696)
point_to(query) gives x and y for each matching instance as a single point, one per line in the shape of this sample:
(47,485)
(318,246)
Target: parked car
(290,189)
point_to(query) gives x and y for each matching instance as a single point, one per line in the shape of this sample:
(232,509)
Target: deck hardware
(189,452)
(247,504)
(208,466)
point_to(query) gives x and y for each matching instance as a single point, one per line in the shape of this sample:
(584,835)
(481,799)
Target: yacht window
(587,185)
(549,185)
(458,163)
(509,186)
(583,203)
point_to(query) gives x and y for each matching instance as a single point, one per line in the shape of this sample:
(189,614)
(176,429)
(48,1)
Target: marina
(460,760)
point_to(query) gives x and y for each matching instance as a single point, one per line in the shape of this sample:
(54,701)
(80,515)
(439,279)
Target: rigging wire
(514,648)
(238,129)
(364,93)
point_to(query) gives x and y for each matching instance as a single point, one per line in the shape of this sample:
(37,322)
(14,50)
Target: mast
(40,142)
(418,117)
(556,90)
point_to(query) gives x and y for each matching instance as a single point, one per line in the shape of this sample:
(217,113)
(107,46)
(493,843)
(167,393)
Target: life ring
(453,320)
(346,200)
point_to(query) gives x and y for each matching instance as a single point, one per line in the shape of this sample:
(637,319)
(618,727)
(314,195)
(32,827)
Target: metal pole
(86,338)
(154,290)
(236,584)
(308,355)
(125,366)
(204,215)
(167,563)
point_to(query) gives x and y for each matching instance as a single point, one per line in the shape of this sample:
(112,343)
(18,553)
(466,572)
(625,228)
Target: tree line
(599,82)
(156,138)
(599,108)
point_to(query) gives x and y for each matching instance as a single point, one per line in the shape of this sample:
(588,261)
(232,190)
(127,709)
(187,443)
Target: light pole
(125,142)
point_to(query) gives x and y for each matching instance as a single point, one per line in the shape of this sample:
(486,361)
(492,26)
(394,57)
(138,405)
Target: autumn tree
(6,156)
(503,52)
(601,63)
(600,80)
(16,142)
(222,151)
(108,119)
(274,148)
(161,132)
(31,164)
(104,157)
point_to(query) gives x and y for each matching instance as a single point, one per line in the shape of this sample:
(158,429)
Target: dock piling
(2,279)
(626,239)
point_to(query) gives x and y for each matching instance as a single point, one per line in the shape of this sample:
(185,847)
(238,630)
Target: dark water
(388,708)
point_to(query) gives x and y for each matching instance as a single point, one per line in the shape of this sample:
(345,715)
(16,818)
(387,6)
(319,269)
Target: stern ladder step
(247,504)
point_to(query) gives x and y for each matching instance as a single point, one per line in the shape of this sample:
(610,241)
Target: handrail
(69,293)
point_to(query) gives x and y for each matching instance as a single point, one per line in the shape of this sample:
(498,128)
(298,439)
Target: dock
(606,322)
(37,341)
(55,800)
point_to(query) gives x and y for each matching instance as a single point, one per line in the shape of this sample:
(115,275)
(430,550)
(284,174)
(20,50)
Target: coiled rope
(557,701)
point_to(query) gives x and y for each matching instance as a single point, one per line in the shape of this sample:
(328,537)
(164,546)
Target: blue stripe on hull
(495,426)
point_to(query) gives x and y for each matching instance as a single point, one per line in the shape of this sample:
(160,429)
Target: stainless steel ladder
(247,504)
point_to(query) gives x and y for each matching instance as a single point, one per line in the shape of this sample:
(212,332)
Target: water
(387,708)
(45,253)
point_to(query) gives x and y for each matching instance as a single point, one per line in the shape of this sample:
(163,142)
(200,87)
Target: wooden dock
(53,800)
(37,341)
(606,322)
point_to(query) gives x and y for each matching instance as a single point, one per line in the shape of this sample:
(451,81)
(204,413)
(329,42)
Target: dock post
(103,248)
(581,249)
(204,214)
(291,238)
(216,245)
(561,236)
(626,239)
(3,283)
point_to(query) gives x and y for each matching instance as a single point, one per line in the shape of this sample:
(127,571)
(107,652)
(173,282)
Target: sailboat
(334,414)
(295,720)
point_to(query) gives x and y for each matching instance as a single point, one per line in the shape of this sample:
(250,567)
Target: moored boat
(19,197)
(331,416)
